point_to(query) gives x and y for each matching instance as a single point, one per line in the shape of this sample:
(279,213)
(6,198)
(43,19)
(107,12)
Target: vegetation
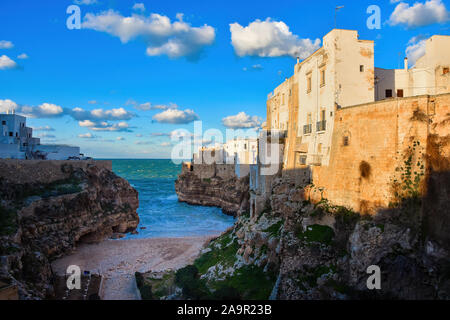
(8,221)
(155,288)
(317,233)
(275,229)
(310,276)
(223,250)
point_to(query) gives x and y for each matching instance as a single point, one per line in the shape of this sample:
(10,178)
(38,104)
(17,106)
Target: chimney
(406,63)
(298,60)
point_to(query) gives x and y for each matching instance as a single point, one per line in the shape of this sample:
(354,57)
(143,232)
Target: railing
(307,129)
(321,125)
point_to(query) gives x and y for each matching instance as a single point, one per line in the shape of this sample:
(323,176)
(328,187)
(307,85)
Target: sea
(161,215)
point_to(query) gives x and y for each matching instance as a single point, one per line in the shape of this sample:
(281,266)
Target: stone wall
(208,171)
(44,171)
(370,144)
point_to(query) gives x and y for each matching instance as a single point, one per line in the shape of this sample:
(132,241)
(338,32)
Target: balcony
(307,129)
(316,160)
(321,126)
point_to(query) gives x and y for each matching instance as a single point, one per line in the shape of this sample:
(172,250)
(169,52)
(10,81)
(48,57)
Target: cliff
(229,193)
(48,207)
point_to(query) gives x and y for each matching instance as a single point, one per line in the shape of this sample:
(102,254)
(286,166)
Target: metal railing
(307,129)
(321,125)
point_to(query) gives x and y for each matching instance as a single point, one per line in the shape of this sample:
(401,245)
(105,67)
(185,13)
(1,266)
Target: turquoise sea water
(160,212)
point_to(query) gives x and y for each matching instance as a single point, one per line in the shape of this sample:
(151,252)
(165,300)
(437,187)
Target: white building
(430,75)
(17,142)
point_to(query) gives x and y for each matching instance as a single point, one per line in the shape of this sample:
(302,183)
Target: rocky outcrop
(232,195)
(305,251)
(44,221)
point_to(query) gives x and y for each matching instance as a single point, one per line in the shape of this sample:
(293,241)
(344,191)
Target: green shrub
(317,233)
(275,229)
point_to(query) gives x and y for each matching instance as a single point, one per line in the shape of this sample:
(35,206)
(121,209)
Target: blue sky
(156,76)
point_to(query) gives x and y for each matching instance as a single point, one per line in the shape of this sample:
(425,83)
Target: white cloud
(85,2)
(22,56)
(139,7)
(139,135)
(147,106)
(44,128)
(6,44)
(416,49)
(45,110)
(101,114)
(419,14)
(105,126)
(175,116)
(241,121)
(92,102)
(161,35)
(7,63)
(270,39)
(87,136)
(47,136)
(7,105)
(120,139)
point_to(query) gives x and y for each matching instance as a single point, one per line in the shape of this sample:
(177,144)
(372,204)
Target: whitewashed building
(17,142)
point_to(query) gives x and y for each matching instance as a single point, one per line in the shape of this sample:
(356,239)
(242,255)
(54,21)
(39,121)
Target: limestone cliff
(230,194)
(45,218)
(297,250)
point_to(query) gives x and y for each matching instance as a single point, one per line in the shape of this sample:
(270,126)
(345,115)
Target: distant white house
(17,142)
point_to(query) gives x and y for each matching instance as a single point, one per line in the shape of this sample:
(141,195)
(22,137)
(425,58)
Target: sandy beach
(118,260)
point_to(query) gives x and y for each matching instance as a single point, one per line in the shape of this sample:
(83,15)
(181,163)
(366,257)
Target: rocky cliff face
(44,221)
(299,250)
(231,195)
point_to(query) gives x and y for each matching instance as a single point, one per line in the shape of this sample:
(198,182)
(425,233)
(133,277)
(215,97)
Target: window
(322,77)
(11,134)
(400,93)
(302,160)
(346,141)
(4,123)
(361,68)
(308,84)
(389,93)
(445,70)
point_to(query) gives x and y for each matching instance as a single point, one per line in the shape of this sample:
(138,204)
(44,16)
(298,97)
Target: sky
(133,74)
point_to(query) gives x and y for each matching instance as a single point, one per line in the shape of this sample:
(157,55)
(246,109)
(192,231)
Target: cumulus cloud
(6,44)
(22,56)
(45,110)
(166,144)
(139,7)
(161,35)
(419,14)
(101,114)
(241,121)
(87,136)
(47,136)
(270,39)
(176,116)
(7,63)
(105,126)
(416,49)
(120,139)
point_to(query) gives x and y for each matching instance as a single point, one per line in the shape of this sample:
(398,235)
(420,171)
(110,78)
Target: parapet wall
(370,147)
(43,171)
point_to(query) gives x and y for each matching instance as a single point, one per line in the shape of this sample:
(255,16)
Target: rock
(100,204)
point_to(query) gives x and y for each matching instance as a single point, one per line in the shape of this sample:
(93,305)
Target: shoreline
(118,260)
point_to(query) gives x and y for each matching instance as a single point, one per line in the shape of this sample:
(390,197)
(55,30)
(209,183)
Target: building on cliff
(17,142)
(348,125)
(239,152)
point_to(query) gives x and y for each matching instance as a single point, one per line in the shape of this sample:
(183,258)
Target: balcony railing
(321,125)
(307,129)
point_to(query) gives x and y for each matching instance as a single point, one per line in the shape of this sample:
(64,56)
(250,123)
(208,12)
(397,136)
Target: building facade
(17,142)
